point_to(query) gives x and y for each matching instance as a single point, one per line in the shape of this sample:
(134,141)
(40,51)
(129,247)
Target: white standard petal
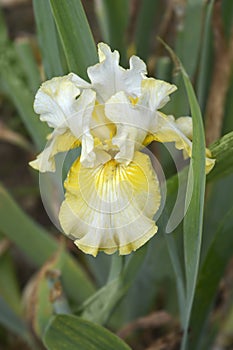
(111,207)
(55,101)
(108,78)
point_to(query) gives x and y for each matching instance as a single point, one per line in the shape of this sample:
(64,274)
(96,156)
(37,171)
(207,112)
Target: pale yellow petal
(155,93)
(45,161)
(111,207)
(180,132)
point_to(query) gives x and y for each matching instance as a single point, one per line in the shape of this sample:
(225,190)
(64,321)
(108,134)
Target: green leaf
(145,22)
(188,37)
(12,322)
(39,246)
(217,257)
(76,36)
(222,151)
(187,48)
(9,287)
(51,50)
(114,16)
(163,69)
(72,332)
(227,13)
(28,62)
(99,306)
(18,92)
(193,221)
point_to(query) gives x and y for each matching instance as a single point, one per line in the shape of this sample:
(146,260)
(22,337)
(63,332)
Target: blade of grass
(75,33)
(51,50)
(38,246)
(193,221)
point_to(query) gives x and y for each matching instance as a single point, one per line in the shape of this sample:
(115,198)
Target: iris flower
(112,192)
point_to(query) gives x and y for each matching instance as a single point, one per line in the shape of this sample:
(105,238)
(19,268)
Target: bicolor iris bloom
(112,191)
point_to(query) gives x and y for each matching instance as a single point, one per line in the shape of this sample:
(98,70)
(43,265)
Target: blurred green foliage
(195,256)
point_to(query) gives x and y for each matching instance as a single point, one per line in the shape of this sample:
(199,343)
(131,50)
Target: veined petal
(57,143)
(180,132)
(111,207)
(108,78)
(55,101)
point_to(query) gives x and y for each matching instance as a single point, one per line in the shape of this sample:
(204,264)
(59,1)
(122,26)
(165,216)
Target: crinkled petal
(55,101)
(108,78)
(180,132)
(45,161)
(111,207)
(155,93)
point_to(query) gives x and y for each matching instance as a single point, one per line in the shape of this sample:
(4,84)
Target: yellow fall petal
(111,207)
